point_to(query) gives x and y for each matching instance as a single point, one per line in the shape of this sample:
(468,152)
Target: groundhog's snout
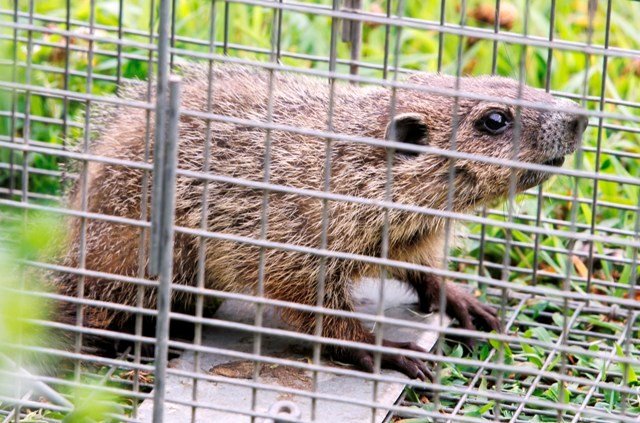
(561,131)
(578,125)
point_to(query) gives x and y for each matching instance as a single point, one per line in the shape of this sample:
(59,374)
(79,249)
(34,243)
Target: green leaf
(411,395)
(598,322)
(473,410)
(625,368)
(508,354)
(456,352)
(558,319)
(557,393)
(537,307)
(541,333)
(531,355)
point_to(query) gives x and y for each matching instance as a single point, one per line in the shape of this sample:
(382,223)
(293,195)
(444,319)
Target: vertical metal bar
(387,36)
(119,47)
(225,29)
(552,29)
(65,84)
(601,104)
(14,101)
(517,138)
(517,134)
(322,267)
(494,67)
(443,8)
(173,31)
(26,128)
(84,186)
(384,247)
(14,415)
(279,40)
(26,135)
(144,214)
(540,193)
(166,230)
(476,378)
(631,316)
(575,204)
(352,33)
(534,384)
(442,300)
(264,218)
(197,336)
(496,30)
(159,133)
(633,281)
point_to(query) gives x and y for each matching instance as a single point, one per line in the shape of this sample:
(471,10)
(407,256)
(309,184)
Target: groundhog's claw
(467,309)
(412,367)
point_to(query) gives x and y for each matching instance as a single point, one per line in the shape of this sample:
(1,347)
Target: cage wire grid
(586,336)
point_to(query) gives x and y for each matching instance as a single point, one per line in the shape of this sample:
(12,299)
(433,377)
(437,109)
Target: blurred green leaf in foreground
(23,238)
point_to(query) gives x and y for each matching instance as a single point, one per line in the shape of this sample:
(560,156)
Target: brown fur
(298,161)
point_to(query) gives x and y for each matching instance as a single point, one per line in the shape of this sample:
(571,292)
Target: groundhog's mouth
(558,161)
(532,178)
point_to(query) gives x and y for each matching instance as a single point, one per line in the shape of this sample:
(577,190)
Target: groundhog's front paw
(412,367)
(469,311)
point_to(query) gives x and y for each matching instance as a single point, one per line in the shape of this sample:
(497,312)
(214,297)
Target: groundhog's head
(485,128)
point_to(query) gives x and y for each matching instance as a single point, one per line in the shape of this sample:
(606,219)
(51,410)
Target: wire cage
(558,260)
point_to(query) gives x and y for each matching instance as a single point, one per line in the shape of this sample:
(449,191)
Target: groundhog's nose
(575,123)
(578,124)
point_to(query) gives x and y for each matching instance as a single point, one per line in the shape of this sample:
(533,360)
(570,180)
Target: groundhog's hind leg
(352,330)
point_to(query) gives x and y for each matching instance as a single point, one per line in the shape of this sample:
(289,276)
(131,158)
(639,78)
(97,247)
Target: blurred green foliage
(28,241)
(25,237)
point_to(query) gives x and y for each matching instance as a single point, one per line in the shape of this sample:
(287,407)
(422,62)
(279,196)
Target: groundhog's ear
(408,128)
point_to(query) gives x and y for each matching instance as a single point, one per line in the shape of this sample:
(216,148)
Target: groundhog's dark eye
(495,122)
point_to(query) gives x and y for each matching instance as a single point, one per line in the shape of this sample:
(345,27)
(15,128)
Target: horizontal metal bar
(17,169)
(351,78)
(541,273)
(31,195)
(183,40)
(33,404)
(132,56)
(546,248)
(57,70)
(447,28)
(35,385)
(478,33)
(40,119)
(307,366)
(384,320)
(74,95)
(557,222)
(333,254)
(228,295)
(363,16)
(61,381)
(94,36)
(579,200)
(339,197)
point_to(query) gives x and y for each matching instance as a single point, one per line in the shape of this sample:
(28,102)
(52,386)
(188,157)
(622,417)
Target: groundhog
(484,128)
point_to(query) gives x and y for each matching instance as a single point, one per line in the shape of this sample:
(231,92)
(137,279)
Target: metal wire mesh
(558,260)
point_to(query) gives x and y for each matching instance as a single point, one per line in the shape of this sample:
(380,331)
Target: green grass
(310,35)
(541,321)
